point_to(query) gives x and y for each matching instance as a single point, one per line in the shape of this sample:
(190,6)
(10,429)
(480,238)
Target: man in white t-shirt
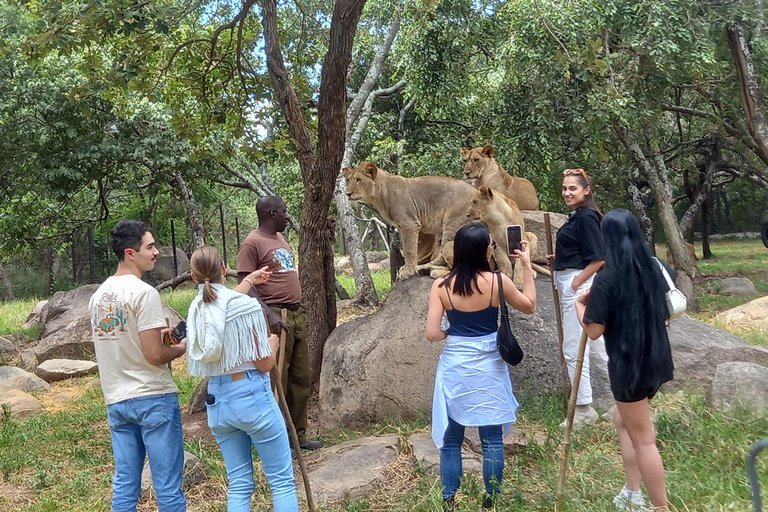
(142,405)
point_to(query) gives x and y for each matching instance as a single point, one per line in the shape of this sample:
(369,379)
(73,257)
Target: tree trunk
(193,218)
(701,192)
(318,173)
(7,286)
(706,251)
(641,209)
(678,251)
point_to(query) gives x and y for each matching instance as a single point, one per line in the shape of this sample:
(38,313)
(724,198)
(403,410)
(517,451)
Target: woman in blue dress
(472,385)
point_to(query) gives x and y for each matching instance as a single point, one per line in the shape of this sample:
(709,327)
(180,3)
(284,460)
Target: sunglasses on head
(571,172)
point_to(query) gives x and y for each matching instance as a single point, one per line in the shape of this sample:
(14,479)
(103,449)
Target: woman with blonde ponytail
(227,341)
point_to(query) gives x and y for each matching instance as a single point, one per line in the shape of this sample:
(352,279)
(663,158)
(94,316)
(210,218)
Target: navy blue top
(473,323)
(579,241)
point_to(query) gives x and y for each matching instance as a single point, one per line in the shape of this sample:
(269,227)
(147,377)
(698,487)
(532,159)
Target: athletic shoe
(628,500)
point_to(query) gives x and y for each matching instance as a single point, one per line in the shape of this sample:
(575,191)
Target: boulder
(71,342)
(428,456)
(534,222)
(697,349)
(752,315)
(21,404)
(375,267)
(381,366)
(199,396)
(16,378)
(735,286)
(343,265)
(28,360)
(164,270)
(375,256)
(739,386)
(54,370)
(33,319)
(193,471)
(385,264)
(349,469)
(8,350)
(65,308)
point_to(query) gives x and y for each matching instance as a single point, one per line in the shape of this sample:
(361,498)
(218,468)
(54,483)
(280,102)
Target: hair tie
(206,280)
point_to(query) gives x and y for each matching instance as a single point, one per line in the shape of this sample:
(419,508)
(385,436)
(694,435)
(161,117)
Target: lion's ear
(485,192)
(345,171)
(464,151)
(488,150)
(369,169)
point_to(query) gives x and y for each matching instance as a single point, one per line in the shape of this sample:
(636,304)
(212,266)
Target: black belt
(289,307)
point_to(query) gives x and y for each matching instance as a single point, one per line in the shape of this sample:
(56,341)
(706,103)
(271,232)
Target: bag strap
(502,302)
(666,274)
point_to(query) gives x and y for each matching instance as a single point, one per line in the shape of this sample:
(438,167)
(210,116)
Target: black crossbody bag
(509,348)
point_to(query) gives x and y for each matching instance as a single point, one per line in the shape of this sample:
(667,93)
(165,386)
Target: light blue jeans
(450,458)
(244,412)
(148,425)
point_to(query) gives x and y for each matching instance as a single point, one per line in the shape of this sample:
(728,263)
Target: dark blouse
(656,354)
(473,323)
(579,241)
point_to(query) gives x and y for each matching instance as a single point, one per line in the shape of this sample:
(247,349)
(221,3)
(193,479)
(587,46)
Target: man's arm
(155,352)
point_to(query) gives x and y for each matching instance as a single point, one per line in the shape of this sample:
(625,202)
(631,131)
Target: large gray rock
(381,366)
(21,404)
(349,469)
(738,386)
(33,318)
(54,370)
(697,349)
(735,286)
(164,270)
(65,309)
(752,315)
(16,378)
(534,222)
(194,473)
(71,342)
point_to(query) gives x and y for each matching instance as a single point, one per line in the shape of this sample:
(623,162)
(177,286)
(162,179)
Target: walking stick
(558,315)
(276,375)
(569,421)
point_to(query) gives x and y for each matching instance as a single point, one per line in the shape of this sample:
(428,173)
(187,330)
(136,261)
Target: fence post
(223,235)
(237,233)
(173,243)
(74,263)
(91,262)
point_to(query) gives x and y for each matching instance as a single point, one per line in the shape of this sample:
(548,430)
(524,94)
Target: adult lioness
(497,212)
(480,166)
(424,207)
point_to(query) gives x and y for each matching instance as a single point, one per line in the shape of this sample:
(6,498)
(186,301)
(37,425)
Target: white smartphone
(514,238)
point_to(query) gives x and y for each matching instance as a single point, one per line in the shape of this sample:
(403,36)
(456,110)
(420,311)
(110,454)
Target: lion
(424,209)
(497,212)
(483,169)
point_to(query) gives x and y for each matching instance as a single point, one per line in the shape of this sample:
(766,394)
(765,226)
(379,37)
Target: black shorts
(634,395)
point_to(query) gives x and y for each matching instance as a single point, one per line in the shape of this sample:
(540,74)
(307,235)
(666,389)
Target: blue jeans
(245,412)
(148,425)
(450,458)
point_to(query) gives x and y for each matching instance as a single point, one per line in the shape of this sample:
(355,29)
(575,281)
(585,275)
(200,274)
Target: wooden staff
(569,422)
(558,315)
(276,375)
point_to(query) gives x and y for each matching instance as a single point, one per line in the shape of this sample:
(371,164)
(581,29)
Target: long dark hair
(470,256)
(638,290)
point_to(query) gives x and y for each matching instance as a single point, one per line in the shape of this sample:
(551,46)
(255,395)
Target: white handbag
(676,301)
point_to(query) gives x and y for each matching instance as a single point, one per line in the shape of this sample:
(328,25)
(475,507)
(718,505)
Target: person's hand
(258,277)
(574,286)
(275,322)
(584,296)
(524,255)
(550,259)
(274,342)
(182,344)
(165,335)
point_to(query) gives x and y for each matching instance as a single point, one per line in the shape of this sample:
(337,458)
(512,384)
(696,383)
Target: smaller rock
(8,350)
(54,370)
(199,396)
(344,303)
(752,315)
(385,264)
(427,455)
(193,471)
(28,360)
(375,256)
(343,265)
(21,404)
(739,386)
(33,319)
(735,286)
(16,378)
(375,267)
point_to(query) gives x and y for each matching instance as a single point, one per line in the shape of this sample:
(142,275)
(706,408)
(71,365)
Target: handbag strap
(666,274)
(502,302)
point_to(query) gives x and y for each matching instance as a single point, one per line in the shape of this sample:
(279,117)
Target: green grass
(382,281)
(13,314)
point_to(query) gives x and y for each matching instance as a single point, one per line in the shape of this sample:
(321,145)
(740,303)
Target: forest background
(188,111)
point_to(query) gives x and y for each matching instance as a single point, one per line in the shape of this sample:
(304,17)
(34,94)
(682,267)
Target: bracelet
(248,281)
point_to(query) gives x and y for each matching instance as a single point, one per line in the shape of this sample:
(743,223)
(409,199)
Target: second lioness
(484,170)
(426,207)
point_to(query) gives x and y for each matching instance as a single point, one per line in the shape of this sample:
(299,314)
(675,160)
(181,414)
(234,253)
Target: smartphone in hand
(514,238)
(179,332)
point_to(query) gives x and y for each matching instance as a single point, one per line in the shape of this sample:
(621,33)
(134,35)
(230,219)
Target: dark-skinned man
(266,246)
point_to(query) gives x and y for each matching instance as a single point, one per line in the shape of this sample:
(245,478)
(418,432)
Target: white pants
(572,333)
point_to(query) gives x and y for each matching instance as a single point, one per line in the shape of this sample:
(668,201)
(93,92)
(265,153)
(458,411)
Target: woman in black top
(626,304)
(579,253)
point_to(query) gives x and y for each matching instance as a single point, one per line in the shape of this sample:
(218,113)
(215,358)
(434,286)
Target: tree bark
(641,209)
(193,218)
(678,251)
(318,172)
(702,191)
(7,286)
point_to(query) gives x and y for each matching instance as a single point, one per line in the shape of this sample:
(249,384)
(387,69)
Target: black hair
(125,234)
(266,204)
(638,289)
(470,256)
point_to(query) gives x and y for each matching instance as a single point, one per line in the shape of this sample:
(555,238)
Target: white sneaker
(584,415)
(628,500)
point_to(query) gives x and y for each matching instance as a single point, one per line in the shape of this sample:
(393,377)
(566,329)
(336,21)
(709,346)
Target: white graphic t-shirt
(121,308)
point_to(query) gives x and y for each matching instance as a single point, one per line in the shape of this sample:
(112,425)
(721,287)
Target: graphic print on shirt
(283,258)
(109,317)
